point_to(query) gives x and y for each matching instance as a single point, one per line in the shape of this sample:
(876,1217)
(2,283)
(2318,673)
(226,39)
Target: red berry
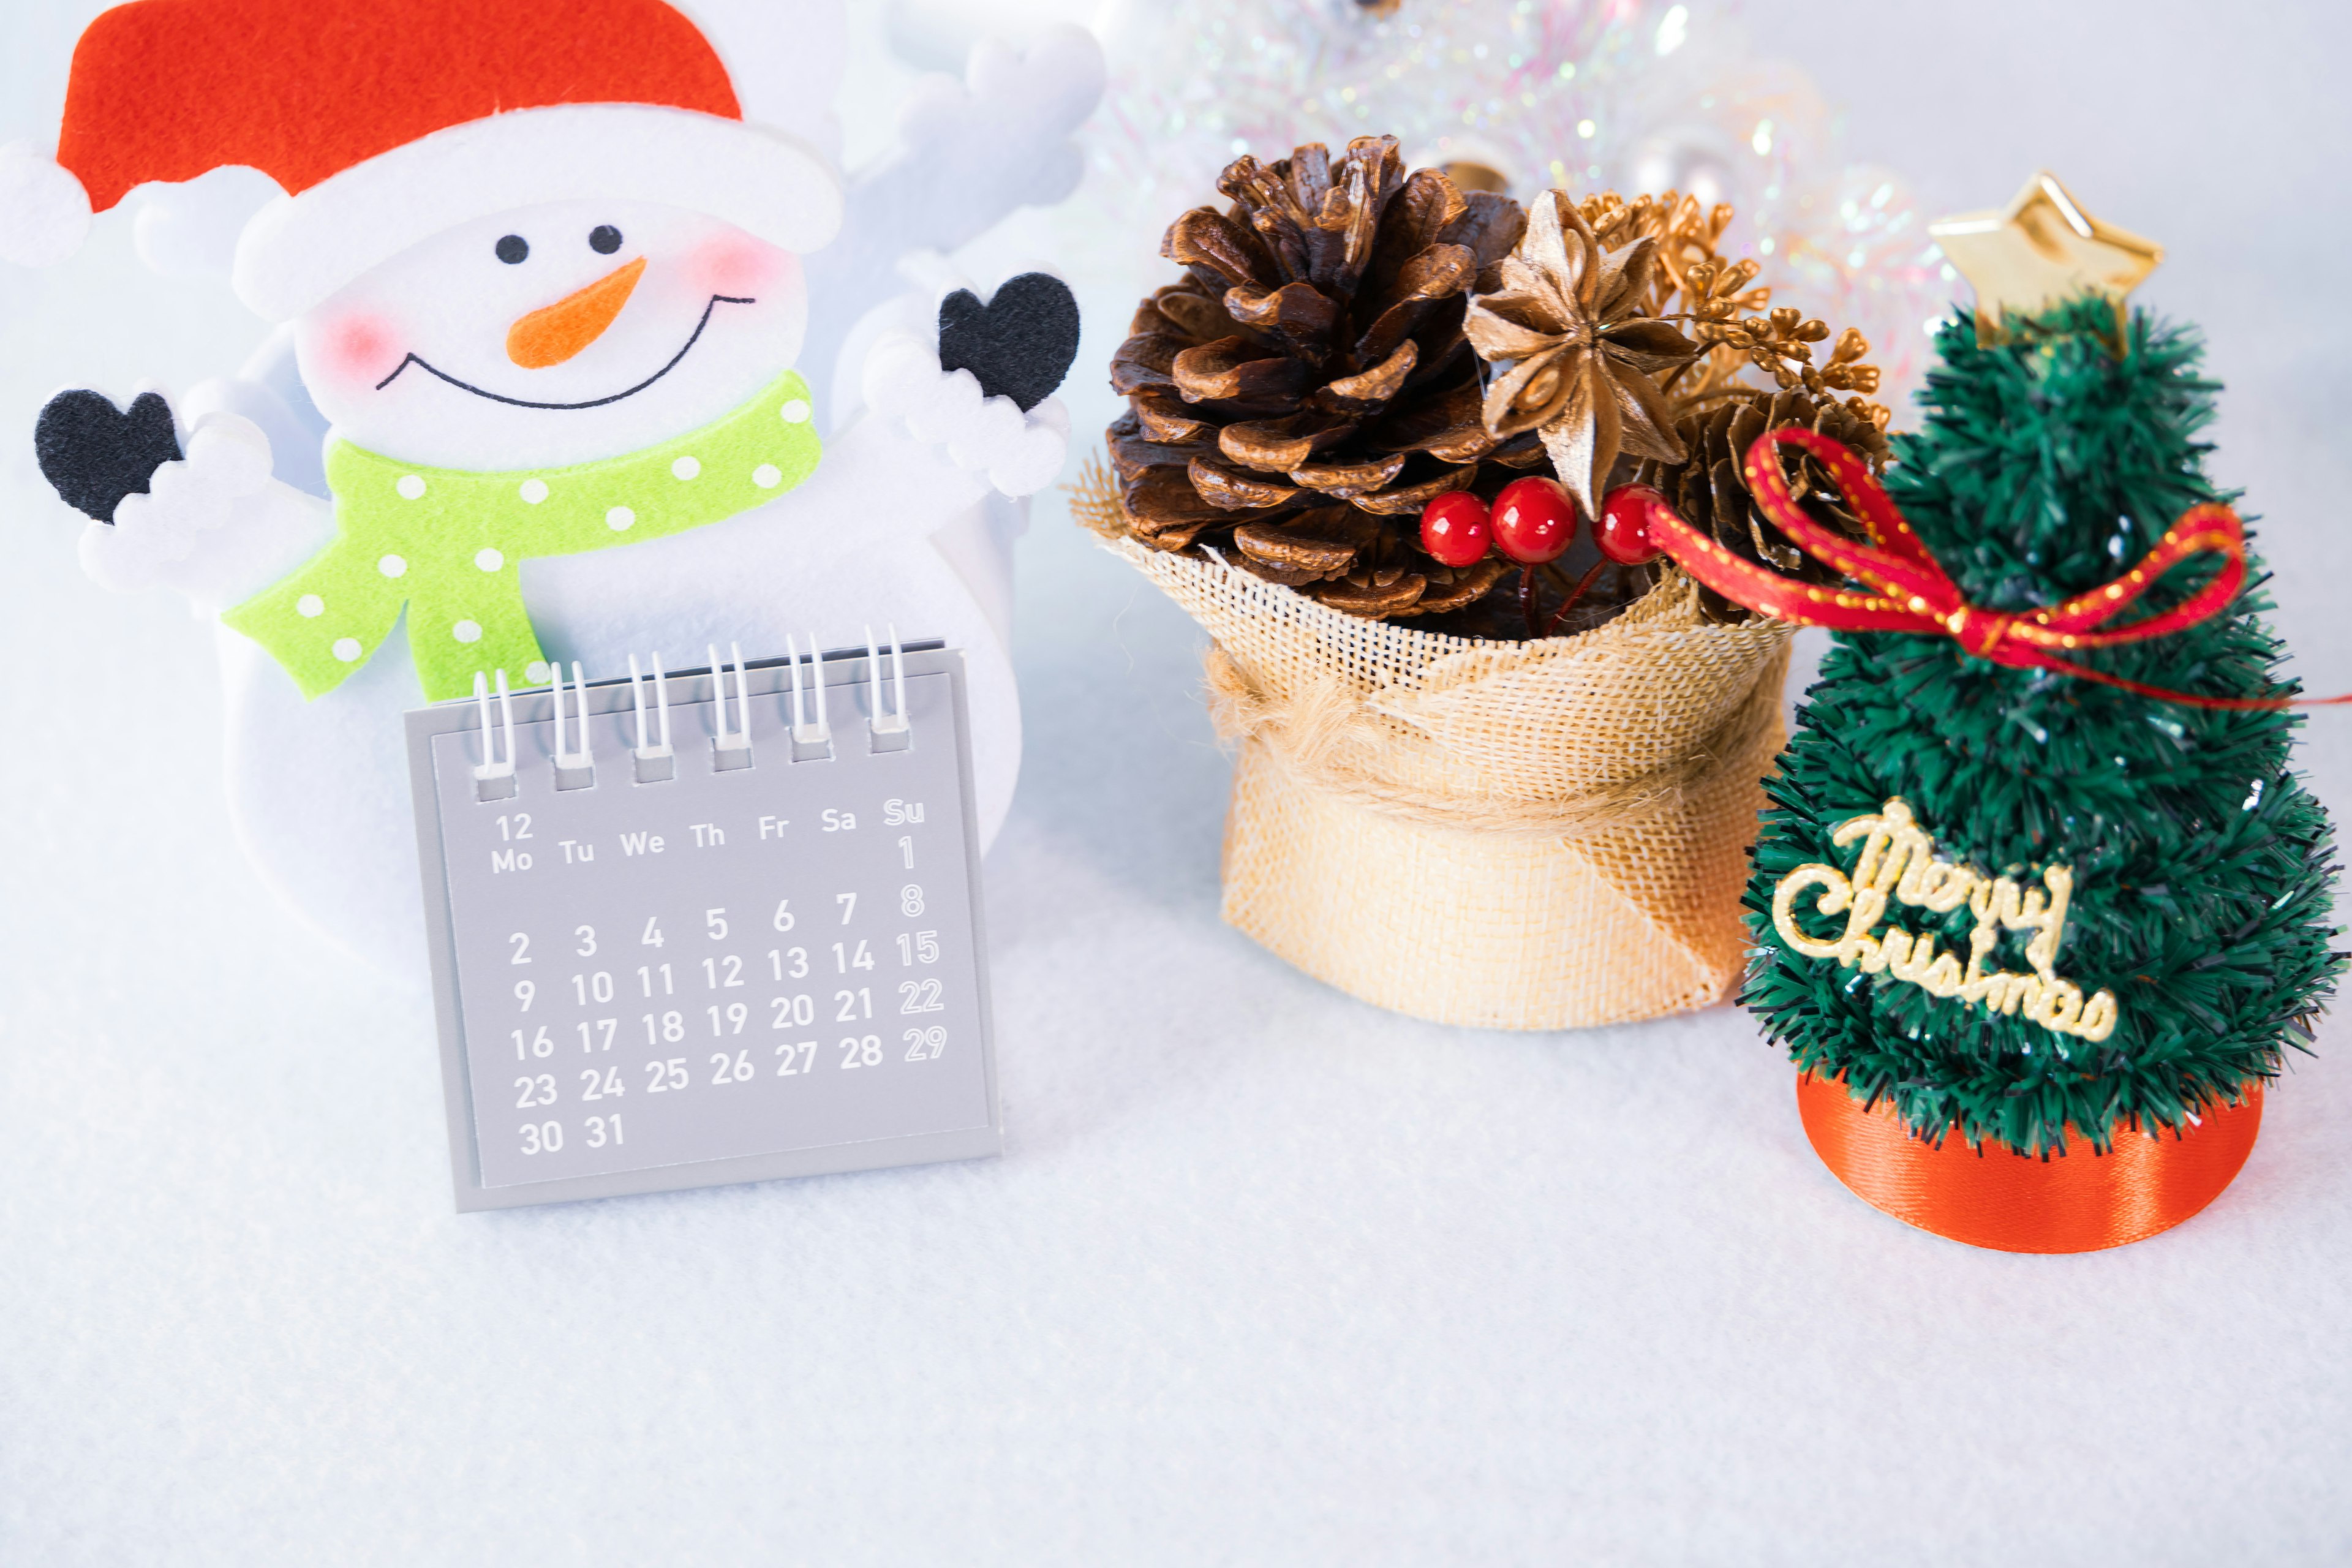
(1454,528)
(1624,531)
(1534,520)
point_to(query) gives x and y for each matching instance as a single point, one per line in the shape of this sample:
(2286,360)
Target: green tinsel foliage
(2046,465)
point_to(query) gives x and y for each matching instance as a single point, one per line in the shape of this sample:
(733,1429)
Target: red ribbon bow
(1916,595)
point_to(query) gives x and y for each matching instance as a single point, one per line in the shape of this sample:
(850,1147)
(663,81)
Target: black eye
(604,239)
(513,248)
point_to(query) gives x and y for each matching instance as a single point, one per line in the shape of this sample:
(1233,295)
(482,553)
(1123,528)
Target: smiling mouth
(696,336)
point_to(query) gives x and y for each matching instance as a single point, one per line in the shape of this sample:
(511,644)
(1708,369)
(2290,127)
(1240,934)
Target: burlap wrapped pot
(1525,836)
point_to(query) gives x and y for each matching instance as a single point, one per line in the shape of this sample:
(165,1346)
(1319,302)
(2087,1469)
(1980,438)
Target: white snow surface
(1265,1275)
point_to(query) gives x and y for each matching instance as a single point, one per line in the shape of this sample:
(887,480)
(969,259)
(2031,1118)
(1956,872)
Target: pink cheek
(736,266)
(362,348)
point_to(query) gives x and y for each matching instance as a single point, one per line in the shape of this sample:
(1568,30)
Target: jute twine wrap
(1523,835)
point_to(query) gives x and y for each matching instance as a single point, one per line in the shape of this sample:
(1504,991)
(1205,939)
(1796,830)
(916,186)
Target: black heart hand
(1019,344)
(93,454)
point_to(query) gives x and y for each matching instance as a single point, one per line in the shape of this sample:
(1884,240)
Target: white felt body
(320,791)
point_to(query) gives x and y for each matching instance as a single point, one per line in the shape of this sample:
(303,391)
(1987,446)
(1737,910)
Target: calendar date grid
(775,997)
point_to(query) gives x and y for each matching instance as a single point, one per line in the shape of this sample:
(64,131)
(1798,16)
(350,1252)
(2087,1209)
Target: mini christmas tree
(2150,877)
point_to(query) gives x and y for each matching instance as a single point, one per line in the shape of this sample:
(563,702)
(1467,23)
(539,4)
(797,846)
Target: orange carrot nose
(555,332)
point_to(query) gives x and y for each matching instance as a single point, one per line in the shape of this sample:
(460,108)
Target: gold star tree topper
(2042,249)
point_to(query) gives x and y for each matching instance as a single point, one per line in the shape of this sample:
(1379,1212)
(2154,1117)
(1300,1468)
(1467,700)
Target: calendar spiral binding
(573,770)
(809,742)
(653,759)
(494,779)
(889,722)
(731,748)
(654,762)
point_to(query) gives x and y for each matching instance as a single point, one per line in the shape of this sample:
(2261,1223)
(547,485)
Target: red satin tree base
(2078,1201)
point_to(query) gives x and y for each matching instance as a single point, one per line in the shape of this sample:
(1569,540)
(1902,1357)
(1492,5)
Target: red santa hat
(387,121)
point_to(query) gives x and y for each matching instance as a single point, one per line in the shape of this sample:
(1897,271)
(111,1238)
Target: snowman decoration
(549,297)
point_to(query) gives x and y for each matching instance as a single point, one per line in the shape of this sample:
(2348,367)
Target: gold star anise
(1571,318)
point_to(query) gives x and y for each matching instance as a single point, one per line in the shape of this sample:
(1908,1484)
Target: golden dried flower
(1781,343)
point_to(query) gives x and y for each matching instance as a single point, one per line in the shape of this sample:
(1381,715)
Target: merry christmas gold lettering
(1898,864)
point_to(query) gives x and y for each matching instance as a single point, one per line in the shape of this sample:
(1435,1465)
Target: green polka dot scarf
(449,543)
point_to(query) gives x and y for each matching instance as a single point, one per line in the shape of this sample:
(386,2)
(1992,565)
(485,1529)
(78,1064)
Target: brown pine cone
(1303,392)
(1709,490)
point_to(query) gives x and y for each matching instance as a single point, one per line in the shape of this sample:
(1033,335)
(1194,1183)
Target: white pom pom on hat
(43,211)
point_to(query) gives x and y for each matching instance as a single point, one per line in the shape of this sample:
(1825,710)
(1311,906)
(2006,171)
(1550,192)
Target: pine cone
(1298,399)
(1708,489)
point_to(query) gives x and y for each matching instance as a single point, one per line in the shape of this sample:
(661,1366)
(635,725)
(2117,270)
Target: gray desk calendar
(680,940)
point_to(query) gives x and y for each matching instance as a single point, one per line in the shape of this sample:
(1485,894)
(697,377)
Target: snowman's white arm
(956,426)
(214,525)
(970,152)
(925,449)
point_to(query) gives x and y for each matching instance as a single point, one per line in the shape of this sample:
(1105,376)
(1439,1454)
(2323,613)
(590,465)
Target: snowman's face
(553,334)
